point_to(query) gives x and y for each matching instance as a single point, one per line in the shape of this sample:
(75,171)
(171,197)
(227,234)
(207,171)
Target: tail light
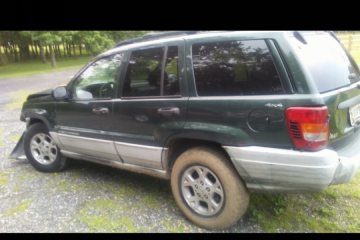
(304,125)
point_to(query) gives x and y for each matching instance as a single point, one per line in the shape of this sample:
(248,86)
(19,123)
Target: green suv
(220,114)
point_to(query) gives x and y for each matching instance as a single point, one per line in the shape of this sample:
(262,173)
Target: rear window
(330,65)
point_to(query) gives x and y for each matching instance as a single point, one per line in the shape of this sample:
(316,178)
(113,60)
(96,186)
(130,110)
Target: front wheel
(207,188)
(41,150)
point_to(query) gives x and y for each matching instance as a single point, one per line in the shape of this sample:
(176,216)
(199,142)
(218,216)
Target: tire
(41,151)
(201,172)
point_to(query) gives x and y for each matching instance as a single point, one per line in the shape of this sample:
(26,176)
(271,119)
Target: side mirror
(60,93)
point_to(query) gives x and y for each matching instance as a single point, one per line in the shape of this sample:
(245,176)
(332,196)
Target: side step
(130,167)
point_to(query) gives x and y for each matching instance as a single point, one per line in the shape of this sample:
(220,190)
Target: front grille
(295,131)
(348,146)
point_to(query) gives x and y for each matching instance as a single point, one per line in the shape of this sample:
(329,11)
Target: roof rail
(155,36)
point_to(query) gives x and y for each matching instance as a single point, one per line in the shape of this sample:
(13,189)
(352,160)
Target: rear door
(336,76)
(151,104)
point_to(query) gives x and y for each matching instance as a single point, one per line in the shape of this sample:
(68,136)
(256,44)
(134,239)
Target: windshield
(329,63)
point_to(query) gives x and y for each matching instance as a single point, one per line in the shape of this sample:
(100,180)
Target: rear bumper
(271,170)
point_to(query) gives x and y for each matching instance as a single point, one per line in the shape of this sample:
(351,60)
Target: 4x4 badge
(273,105)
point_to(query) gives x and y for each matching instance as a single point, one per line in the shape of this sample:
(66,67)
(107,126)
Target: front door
(84,122)
(151,104)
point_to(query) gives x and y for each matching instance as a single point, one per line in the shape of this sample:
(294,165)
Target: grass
(18,208)
(335,209)
(106,216)
(4,177)
(32,67)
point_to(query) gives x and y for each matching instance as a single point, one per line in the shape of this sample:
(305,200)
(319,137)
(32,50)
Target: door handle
(168,111)
(100,110)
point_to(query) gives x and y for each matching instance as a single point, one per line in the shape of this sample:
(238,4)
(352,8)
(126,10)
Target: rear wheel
(207,188)
(41,150)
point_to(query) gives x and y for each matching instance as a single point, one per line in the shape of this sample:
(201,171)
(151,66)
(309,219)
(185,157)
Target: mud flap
(18,152)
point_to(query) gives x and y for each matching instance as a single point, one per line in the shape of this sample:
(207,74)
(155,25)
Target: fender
(41,114)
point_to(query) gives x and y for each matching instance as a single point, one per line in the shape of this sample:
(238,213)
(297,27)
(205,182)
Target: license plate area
(354,113)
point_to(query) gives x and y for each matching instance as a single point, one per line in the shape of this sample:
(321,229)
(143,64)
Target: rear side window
(235,68)
(144,77)
(328,63)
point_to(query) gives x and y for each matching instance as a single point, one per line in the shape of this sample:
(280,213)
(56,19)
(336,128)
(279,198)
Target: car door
(84,122)
(152,102)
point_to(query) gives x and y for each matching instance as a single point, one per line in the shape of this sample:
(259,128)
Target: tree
(1,58)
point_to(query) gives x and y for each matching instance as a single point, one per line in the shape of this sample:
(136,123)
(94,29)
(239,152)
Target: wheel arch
(177,146)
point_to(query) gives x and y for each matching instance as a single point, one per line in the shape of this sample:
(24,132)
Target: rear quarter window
(235,68)
(327,62)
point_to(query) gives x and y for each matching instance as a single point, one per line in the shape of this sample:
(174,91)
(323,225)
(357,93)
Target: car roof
(201,35)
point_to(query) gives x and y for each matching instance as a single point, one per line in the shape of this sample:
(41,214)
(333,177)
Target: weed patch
(19,208)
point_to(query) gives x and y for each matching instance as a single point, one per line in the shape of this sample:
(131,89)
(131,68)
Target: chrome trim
(54,136)
(89,146)
(85,130)
(161,98)
(284,171)
(165,158)
(140,155)
(261,97)
(138,169)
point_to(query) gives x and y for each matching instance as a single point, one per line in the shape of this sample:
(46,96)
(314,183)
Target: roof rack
(152,36)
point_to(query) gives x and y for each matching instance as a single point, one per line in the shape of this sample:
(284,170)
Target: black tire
(229,207)
(41,150)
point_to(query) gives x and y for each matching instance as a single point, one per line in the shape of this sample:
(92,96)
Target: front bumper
(271,170)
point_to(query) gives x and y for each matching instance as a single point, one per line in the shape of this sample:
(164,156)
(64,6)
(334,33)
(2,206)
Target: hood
(40,94)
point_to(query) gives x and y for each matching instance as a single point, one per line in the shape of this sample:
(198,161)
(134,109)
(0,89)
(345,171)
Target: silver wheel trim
(202,190)
(43,148)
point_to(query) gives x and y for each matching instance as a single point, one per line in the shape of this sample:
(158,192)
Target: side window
(235,68)
(97,81)
(144,73)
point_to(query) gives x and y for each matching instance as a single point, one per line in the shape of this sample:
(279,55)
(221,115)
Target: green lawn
(32,67)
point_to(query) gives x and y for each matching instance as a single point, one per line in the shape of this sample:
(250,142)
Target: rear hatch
(336,76)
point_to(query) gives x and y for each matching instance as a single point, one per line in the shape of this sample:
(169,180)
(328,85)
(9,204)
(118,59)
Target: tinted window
(328,63)
(97,81)
(234,68)
(143,74)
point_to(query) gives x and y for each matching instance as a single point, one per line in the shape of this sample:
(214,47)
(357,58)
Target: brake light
(304,125)
(319,32)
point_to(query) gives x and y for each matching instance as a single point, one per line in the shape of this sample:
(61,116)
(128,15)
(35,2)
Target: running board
(125,166)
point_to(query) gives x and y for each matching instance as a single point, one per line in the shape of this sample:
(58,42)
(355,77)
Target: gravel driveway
(86,197)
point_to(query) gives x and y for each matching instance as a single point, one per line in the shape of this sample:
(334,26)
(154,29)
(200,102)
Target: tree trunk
(53,62)
(47,54)
(74,50)
(64,50)
(36,50)
(58,49)
(15,53)
(80,47)
(7,54)
(28,50)
(20,54)
(1,58)
(43,59)
(69,49)
(56,52)
(32,50)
